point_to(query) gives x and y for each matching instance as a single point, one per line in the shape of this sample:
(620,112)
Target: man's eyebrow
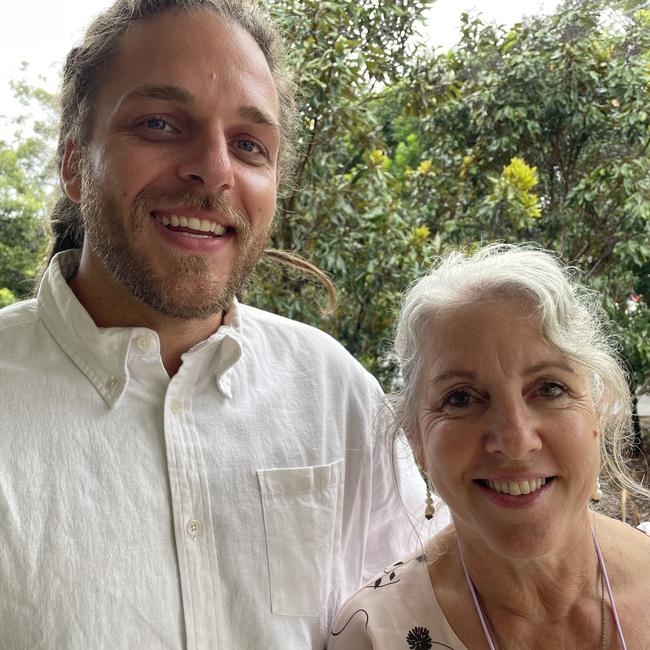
(159,91)
(258,116)
(178,94)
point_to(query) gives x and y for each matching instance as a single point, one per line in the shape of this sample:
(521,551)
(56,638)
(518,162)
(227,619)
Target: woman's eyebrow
(452,374)
(549,365)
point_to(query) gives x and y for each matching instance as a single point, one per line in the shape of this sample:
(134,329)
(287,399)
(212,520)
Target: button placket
(190,504)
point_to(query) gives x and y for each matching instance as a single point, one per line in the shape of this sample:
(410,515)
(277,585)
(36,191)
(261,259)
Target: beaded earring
(429,508)
(597,493)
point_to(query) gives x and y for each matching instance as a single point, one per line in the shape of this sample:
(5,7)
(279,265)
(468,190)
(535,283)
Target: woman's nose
(512,430)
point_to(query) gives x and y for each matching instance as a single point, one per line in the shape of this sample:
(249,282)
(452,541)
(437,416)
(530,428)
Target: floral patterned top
(396,611)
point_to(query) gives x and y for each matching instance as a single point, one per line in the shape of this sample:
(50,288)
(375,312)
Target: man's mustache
(209,202)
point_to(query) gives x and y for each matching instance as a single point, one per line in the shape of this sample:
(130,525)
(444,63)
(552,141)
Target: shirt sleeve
(397,488)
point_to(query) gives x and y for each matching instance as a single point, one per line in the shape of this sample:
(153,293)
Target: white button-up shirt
(232,506)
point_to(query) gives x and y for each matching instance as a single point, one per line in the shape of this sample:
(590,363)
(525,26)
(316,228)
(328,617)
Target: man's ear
(71,171)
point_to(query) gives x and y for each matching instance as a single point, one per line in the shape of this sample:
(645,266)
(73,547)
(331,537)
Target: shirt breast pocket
(302,520)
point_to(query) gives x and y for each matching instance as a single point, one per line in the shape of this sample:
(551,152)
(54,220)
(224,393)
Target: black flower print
(388,573)
(419,639)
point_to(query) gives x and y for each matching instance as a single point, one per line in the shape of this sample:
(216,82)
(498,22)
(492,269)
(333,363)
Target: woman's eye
(552,389)
(458,399)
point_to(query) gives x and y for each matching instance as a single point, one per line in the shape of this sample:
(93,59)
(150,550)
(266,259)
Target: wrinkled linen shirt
(233,506)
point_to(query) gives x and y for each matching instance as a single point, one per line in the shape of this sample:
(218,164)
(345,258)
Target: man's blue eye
(156,123)
(247,145)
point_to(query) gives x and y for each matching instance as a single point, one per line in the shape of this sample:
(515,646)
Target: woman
(514,404)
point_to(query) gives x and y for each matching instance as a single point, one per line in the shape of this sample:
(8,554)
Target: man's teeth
(192,223)
(517,488)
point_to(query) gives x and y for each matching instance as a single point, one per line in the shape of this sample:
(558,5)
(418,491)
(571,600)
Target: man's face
(178,181)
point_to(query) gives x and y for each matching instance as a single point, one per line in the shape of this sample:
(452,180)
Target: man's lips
(191,222)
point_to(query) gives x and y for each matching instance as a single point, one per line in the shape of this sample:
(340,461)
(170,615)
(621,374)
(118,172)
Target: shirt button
(143,343)
(112,383)
(193,527)
(176,405)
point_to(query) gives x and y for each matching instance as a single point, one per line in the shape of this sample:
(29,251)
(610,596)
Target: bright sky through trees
(41,32)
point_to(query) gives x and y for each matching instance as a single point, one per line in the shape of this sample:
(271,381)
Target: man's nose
(208,162)
(513,429)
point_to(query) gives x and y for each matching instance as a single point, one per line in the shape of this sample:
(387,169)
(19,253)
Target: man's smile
(191,226)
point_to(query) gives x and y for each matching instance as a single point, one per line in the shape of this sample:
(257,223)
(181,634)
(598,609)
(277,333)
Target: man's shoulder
(309,347)
(271,320)
(14,318)
(274,326)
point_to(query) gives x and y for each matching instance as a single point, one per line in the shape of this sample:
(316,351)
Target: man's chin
(185,305)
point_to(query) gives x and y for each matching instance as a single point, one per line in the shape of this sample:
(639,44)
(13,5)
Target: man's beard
(185,290)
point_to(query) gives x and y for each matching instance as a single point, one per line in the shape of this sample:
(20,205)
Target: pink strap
(603,568)
(472,589)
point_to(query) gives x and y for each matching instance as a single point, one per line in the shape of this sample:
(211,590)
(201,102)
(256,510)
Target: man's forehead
(182,56)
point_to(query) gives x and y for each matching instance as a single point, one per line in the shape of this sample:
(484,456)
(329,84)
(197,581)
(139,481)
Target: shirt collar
(102,353)
(226,347)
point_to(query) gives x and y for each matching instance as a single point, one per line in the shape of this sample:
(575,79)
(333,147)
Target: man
(177,469)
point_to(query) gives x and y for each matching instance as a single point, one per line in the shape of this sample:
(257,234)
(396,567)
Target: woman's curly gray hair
(569,315)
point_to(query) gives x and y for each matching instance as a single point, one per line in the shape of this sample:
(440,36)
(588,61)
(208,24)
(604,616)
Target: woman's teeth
(516,488)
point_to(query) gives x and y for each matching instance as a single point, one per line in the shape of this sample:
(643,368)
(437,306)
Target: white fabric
(231,507)
(398,609)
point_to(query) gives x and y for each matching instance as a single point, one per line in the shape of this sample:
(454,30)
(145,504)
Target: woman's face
(506,430)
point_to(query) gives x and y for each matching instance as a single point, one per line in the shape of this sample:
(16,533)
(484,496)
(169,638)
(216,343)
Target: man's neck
(112,305)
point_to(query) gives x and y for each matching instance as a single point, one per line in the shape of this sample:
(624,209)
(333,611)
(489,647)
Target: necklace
(604,581)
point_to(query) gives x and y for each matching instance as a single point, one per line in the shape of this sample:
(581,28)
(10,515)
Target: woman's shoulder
(624,532)
(644,527)
(375,605)
(395,609)
(625,548)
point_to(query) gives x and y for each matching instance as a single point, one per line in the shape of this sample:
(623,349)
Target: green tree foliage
(26,181)
(346,213)
(535,133)
(541,133)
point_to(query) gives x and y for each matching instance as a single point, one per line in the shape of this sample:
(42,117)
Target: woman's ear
(415,441)
(71,171)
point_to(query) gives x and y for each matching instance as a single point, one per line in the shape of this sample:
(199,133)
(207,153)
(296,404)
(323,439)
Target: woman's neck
(549,600)
(545,586)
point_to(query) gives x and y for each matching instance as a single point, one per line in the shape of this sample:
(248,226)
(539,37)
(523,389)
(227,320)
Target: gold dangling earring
(597,493)
(429,509)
